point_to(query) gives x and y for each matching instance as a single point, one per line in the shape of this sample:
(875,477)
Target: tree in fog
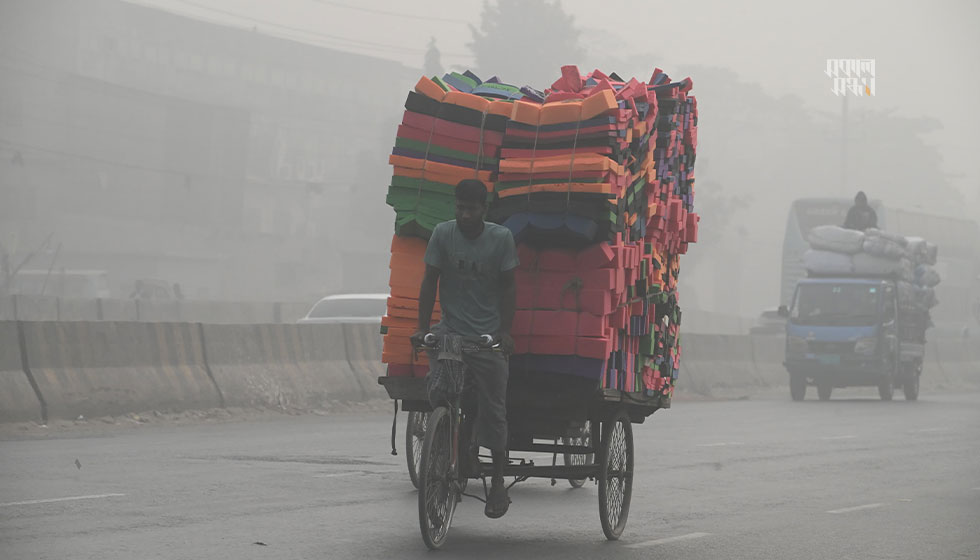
(892,154)
(433,60)
(525,42)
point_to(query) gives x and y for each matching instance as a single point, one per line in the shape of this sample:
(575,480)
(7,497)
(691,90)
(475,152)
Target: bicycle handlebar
(485,341)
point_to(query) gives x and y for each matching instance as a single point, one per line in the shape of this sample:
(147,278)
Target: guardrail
(50,308)
(63,369)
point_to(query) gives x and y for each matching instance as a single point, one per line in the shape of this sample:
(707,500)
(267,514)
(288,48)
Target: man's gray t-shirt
(469,279)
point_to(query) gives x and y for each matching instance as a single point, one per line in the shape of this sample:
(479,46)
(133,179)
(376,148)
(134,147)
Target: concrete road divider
(363,343)
(110,368)
(956,360)
(280,366)
(768,354)
(18,400)
(717,362)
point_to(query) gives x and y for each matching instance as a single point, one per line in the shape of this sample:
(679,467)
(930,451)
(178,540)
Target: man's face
(469,215)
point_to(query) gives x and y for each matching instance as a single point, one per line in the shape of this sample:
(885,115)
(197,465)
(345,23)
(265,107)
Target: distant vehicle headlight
(796,345)
(866,346)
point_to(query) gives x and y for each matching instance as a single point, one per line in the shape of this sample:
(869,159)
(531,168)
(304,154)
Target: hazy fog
(925,52)
(311,219)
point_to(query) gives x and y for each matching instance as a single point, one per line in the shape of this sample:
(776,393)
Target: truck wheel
(797,387)
(824,390)
(886,390)
(911,387)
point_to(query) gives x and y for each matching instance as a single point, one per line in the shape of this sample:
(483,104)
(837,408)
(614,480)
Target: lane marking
(977,488)
(856,508)
(336,475)
(687,537)
(722,444)
(353,473)
(68,499)
(928,430)
(831,438)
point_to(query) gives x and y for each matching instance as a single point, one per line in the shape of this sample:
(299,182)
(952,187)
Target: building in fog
(154,146)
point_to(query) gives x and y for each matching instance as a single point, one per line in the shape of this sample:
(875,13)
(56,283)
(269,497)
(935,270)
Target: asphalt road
(769,478)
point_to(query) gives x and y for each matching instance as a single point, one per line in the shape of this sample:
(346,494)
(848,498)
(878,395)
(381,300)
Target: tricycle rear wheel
(414,438)
(576,459)
(615,474)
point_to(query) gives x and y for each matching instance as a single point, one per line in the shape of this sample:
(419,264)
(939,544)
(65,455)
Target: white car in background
(348,308)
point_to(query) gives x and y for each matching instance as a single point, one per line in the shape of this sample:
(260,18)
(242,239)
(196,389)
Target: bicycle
(564,416)
(441,484)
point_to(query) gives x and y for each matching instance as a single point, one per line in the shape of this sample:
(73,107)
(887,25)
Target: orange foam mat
(564,111)
(585,162)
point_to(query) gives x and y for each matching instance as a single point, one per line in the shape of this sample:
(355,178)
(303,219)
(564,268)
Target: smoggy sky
(926,52)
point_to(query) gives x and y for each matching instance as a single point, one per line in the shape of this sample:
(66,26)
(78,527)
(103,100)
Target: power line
(395,14)
(357,43)
(16,146)
(103,161)
(128,93)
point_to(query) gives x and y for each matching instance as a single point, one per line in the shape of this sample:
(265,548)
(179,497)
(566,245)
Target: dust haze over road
(761,478)
(197,162)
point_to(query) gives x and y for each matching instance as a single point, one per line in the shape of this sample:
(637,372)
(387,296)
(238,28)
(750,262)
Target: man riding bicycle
(472,263)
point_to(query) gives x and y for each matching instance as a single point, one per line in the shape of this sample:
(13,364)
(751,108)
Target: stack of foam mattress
(446,135)
(594,176)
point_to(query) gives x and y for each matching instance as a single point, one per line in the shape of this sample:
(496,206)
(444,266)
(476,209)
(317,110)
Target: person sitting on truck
(472,263)
(861,216)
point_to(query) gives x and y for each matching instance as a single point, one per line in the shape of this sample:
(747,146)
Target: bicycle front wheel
(438,488)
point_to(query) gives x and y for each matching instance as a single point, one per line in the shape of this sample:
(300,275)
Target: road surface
(769,478)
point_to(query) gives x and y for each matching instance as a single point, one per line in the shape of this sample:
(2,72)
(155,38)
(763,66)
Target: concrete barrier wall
(110,368)
(280,366)
(18,401)
(363,344)
(768,354)
(955,361)
(106,367)
(717,363)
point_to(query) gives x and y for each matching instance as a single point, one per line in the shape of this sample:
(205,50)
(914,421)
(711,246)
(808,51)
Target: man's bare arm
(427,297)
(508,301)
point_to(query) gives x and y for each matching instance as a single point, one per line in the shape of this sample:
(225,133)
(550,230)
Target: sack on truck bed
(915,298)
(927,276)
(828,262)
(836,239)
(883,246)
(871,265)
(890,236)
(921,251)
